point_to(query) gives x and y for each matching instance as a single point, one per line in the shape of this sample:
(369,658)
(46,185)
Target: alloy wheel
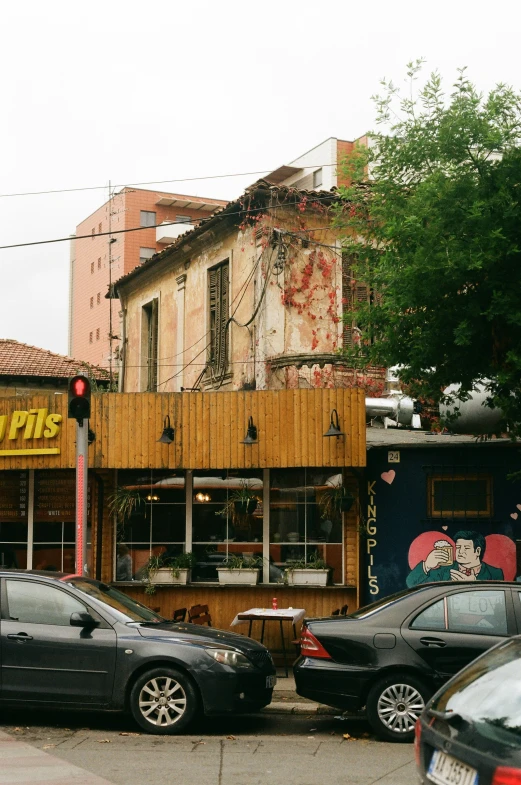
(162,701)
(399,706)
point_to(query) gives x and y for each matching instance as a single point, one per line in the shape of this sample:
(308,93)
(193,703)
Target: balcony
(169,232)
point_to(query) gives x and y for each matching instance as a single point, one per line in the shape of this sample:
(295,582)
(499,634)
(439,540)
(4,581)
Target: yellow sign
(32,424)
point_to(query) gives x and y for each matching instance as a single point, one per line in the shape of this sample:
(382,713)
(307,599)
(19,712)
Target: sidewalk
(22,764)
(286,701)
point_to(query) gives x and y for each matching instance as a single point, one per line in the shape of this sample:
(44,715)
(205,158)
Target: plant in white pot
(240,570)
(311,572)
(172,570)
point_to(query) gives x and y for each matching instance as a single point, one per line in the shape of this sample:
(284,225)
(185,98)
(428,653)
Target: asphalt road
(249,750)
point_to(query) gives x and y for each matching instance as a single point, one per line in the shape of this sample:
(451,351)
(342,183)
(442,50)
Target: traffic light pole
(82,444)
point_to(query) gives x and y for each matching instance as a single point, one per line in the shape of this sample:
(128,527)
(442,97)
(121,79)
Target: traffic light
(79,398)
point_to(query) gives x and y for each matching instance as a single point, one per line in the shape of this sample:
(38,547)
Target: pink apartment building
(100,259)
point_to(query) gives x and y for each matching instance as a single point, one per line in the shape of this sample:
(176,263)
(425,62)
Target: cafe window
(14,490)
(227,518)
(306,523)
(150,508)
(50,528)
(460,496)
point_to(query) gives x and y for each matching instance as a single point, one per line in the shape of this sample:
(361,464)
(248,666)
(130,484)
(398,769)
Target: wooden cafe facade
(184,489)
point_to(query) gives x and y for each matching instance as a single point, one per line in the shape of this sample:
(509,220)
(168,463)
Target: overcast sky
(131,91)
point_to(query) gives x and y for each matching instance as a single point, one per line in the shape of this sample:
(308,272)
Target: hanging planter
(246,507)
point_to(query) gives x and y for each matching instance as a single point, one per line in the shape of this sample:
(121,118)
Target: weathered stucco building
(252,298)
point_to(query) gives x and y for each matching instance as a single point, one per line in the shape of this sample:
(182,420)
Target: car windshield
(379,605)
(125,608)
(488,694)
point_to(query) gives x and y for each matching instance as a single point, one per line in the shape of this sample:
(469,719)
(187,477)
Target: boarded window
(460,497)
(354,292)
(150,335)
(219,303)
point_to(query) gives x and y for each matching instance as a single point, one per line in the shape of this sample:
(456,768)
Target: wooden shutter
(152,346)
(219,305)
(354,292)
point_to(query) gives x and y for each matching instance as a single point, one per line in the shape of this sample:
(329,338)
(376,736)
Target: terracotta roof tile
(20,359)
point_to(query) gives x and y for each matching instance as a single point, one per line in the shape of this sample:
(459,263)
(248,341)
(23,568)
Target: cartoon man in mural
(468,565)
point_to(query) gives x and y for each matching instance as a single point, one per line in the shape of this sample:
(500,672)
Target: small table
(292,615)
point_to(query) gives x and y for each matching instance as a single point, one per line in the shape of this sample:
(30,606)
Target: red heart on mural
(389,476)
(513,515)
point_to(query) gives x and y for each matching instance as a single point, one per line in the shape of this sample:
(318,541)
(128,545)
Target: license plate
(270,682)
(446,770)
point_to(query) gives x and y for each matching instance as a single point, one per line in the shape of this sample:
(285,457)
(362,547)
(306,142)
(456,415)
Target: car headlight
(230,657)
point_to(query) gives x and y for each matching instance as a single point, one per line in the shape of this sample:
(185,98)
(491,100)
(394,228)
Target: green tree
(432,222)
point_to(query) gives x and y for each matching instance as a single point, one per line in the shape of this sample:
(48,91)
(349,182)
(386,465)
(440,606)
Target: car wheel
(163,701)
(394,704)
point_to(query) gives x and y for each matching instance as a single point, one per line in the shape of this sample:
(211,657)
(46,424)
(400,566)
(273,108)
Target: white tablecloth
(291,614)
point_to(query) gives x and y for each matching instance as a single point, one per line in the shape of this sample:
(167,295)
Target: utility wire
(151,182)
(68,239)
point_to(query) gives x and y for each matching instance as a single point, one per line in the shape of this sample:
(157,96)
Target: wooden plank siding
(209,429)
(225,602)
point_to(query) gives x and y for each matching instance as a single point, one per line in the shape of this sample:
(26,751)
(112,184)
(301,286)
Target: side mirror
(83,620)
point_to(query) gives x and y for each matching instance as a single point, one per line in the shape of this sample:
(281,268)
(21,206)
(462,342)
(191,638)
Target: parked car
(71,642)
(470,731)
(389,657)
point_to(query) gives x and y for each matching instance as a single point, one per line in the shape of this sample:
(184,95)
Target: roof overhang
(189,204)
(282,173)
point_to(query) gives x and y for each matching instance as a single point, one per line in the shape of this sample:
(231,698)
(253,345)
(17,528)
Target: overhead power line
(151,182)
(327,196)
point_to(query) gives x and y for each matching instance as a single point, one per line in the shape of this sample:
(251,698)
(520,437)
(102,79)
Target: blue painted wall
(397,512)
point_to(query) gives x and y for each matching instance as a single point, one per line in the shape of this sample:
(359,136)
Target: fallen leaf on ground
(48,746)
(311,737)
(104,741)
(18,729)
(233,738)
(348,737)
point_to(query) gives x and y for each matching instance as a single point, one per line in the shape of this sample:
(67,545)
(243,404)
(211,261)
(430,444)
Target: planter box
(307,577)
(164,576)
(238,577)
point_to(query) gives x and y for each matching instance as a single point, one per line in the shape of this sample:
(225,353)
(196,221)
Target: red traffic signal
(79,398)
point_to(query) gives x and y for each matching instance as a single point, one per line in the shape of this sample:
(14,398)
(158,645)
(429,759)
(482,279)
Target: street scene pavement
(267,748)
(291,742)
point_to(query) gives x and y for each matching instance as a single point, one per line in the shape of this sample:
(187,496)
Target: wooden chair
(199,614)
(179,615)
(336,612)
(343,610)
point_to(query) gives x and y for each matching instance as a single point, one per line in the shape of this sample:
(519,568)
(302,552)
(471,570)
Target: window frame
(144,219)
(446,612)
(318,173)
(434,478)
(218,288)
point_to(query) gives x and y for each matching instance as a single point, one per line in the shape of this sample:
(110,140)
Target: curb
(277,707)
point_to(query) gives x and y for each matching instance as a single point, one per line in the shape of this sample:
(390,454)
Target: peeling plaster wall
(299,314)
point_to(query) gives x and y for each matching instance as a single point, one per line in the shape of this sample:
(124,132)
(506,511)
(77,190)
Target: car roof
(52,574)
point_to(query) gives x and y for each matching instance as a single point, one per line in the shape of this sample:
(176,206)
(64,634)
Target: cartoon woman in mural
(459,560)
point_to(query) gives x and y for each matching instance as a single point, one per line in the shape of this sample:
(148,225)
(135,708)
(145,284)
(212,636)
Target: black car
(71,642)
(392,655)
(470,731)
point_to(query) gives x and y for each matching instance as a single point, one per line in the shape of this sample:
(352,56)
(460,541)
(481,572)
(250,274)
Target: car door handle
(433,642)
(21,636)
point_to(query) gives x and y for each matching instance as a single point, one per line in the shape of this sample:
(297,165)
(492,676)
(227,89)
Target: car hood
(198,634)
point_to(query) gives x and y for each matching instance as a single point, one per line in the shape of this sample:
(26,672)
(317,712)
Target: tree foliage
(432,219)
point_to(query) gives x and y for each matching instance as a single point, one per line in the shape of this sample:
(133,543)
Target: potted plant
(241,501)
(335,500)
(239,569)
(311,572)
(172,570)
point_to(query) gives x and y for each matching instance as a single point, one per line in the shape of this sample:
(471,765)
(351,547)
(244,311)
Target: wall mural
(403,548)
(468,556)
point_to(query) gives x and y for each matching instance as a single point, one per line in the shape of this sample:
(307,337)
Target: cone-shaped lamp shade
(334,426)
(251,433)
(168,435)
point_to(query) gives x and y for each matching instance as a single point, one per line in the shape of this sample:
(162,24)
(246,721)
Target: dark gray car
(76,643)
